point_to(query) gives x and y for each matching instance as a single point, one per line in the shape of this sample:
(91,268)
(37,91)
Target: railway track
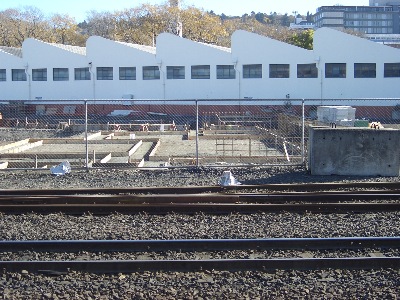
(310,198)
(106,201)
(299,187)
(118,266)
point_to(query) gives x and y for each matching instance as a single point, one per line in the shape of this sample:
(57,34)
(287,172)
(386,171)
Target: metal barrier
(132,133)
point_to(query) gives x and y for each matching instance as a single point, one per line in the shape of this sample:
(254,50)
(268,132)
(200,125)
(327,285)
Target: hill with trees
(142,24)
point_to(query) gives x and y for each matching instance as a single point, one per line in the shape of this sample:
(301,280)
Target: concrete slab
(354,151)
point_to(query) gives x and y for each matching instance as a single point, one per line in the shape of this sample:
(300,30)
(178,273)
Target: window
(18,75)
(226,72)
(175,72)
(127,73)
(335,70)
(39,74)
(252,71)
(307,71)
(60,74)
(392,70)
(279,71)
(2,74)
(151,73)
(104,73)
(82,74)
(365,70)
(201,72)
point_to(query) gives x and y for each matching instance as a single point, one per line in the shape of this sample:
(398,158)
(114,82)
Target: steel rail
(202,189)
(321,197)
(198,245)
(193,208)
(130,266)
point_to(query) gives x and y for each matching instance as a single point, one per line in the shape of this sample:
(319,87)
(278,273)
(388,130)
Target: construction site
(221,139)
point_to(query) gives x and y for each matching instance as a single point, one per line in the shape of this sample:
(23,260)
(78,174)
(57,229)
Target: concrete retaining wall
(354,151)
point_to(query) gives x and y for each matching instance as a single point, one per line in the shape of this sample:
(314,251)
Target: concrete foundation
(354,151)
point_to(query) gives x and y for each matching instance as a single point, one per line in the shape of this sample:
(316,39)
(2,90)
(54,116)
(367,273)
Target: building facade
(341,66)
(381,17)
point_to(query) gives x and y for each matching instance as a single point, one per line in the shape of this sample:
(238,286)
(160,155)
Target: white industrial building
(340,66)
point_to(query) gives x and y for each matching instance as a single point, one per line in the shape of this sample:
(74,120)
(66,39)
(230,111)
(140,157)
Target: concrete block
(354,151)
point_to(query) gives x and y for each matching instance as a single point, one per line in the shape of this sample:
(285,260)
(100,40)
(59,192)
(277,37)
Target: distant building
(300,23)
(380,17)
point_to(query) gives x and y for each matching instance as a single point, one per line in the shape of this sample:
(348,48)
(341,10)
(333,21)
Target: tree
(19,24)
(65,30)
(200,26)
(303,39)
(101,24)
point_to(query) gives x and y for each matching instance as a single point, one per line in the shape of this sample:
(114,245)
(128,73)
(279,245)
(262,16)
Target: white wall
(106,53)
(333,46)
(330,46)
(250,48)
(12,89)
(175,51)
(38,55)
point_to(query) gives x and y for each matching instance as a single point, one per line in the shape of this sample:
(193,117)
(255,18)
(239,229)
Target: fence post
(86,136)
(197,134)
(303,124)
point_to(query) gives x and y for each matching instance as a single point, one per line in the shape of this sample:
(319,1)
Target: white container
(329,114)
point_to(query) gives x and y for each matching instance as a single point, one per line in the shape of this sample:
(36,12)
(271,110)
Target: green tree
(303,39)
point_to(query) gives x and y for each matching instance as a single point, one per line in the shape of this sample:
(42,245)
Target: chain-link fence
(132,133)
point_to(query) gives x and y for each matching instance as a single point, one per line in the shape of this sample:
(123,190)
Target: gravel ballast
(321,284)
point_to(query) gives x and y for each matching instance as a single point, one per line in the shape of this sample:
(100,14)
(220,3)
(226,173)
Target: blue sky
(79,8)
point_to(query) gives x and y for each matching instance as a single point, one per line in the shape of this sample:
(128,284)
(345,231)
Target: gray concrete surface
(354,151)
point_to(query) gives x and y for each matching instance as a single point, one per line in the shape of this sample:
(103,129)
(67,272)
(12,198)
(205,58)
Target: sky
(79,8)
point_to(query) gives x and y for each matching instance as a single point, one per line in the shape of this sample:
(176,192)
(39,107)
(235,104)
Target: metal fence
(129,133)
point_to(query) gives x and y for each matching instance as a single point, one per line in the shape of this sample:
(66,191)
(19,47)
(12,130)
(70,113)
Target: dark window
(307,71)
(226,72)
(279,71)
(175,72)
(39,74)
(151,73)
(365,70)
(252,71)
(201,72)
(127,73)
(82,74)
(2,74)
(60,74)
(104,73)
(335,70)
(18,75)
(392,70)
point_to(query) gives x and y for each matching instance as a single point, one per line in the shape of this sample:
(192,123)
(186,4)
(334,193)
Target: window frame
(85,71)
(151,73)
(15,75)
(309,70)
(175,72)
(201,72)
(39,74)
(58,71)
(341,73)
(127,73)
(393,72)
(279,70)
(226,72)
(3,75)
(361,70)
(252,71)
(104,73)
